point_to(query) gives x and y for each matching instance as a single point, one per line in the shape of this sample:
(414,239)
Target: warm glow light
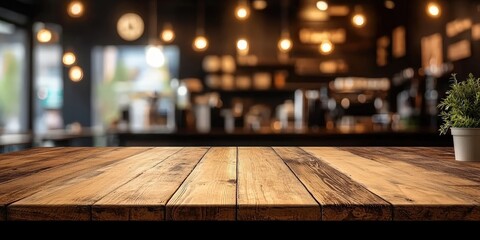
(285,44)
(44,35)
(168,35)
(200,43)
(322,5)
(358,20)
(259,4)
(242,46)
(389,4)
(242,12)
(433,9)
(326,47)
(68,58)
(75,9)
(345,103)
(75,73)
(155,57)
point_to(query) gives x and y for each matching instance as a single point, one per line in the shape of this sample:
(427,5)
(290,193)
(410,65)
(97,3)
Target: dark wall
(98,27)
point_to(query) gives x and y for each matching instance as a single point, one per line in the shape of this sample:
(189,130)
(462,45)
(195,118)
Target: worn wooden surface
(245,183)
(268,190)
(209,192)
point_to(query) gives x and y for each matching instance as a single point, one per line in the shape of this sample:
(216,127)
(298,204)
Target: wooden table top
(238,183)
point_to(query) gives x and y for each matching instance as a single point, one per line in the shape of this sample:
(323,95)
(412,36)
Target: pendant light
(242,11)
(154,51)
(285,43)
(433,9)
(359,20)
(167,35)
(243,46)
(200,43)
(326,47)
(322,5)
(75,9)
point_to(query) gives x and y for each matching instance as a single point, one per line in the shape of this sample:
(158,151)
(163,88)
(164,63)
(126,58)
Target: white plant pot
(466,142)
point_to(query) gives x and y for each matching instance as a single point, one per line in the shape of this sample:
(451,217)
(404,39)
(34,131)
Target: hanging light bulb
(326,47)
(242,11)
(75,73)
(242,46)
(154,56)
(433,9)
(44,35)
(75,9)
(322,5)
(154,51)
(68,58)
(358,20)
(200,43)
(285,43)
(168,35)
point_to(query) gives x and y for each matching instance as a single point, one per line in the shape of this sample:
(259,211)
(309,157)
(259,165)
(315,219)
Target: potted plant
(460,112)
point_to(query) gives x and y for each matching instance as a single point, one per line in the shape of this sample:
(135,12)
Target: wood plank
(448,171)
(16,189)
(29,151)
(340,197)
(268,190)
(144,198)
(209,192)
(14,160)
(73,199)
(54,159)
(414,195)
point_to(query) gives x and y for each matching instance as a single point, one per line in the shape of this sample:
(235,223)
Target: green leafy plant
(461,107)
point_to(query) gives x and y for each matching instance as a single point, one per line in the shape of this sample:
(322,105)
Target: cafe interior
(234,72)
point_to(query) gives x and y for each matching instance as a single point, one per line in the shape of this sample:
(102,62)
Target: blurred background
(234,72)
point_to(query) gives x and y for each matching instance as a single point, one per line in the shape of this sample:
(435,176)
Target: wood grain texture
(268,190)
(209,192)
(64,200)
(20,158)
(18,188)
(340,197)
(413,194)
(418,158)
(145,197)
(42,162)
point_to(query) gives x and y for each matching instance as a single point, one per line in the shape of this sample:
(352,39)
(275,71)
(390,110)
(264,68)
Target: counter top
(238,183)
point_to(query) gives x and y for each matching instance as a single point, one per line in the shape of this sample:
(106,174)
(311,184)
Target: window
(126,88)
(13,88)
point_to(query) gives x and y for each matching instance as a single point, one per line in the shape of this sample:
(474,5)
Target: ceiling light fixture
(242,11)
(359,19)
(75,73)
(433,9)
(44,35)
(243,46)
(154,51)
(200,43)
(326,47)
(168,35)
(322,5)
(75,9)
(69,58)
(285,43)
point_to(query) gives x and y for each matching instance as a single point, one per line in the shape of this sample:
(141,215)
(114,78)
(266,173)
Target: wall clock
(130,26)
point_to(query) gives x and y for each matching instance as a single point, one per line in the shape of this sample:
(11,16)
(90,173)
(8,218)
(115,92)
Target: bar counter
(238,183)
